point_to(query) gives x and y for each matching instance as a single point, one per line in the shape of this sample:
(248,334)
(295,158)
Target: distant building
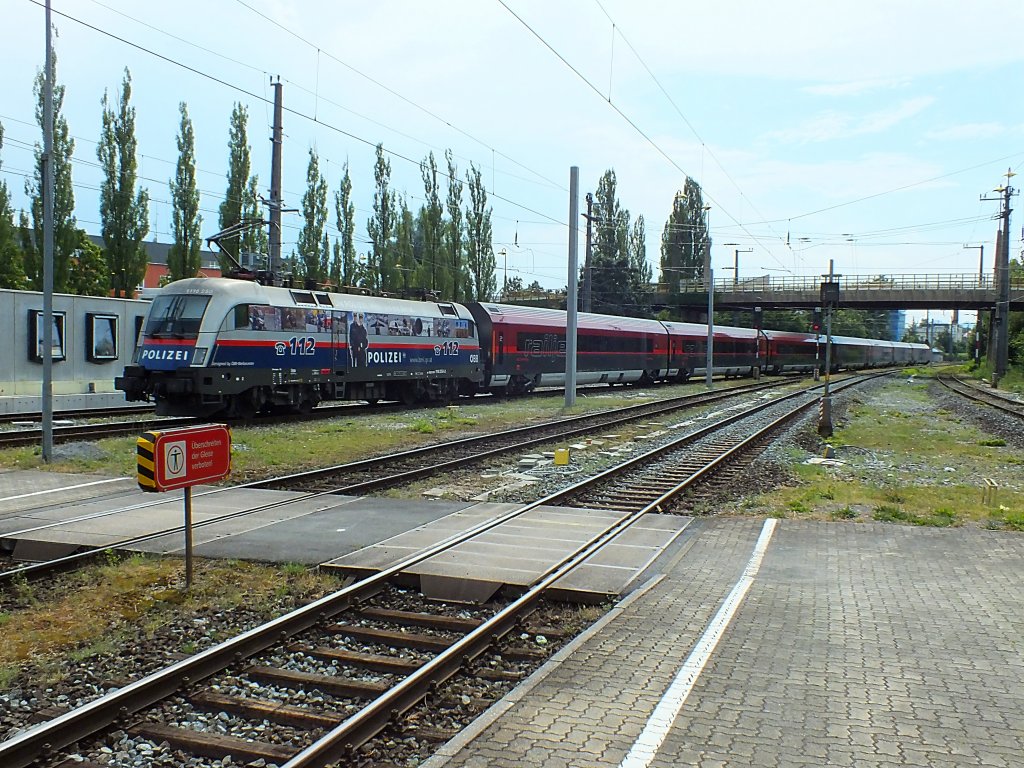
(897,324)
(156,262)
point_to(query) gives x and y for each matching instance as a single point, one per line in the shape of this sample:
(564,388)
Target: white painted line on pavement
(62,488)
(653,736)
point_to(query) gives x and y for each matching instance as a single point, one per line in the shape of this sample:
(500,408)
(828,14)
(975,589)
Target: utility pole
(571,298)
(709,273)
(829,298)
(1002,280)
(275,182)
(47,393)
(587,277)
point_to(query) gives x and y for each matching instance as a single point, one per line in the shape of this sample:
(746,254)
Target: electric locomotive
(217,345)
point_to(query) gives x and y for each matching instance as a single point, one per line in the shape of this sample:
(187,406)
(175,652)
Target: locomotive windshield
(176,317)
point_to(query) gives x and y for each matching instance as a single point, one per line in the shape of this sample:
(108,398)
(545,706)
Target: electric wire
(264,99)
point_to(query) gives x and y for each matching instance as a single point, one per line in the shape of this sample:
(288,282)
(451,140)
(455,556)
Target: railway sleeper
(414,619)
(213,745)
(266,709)
(331,684)
(373,661)
(389,637)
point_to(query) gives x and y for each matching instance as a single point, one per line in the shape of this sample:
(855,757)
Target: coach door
(339,347)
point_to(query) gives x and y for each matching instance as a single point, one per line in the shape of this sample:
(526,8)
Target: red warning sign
(178,458)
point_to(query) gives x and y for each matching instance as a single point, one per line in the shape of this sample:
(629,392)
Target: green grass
(925,468)
(264,451)
(939,518)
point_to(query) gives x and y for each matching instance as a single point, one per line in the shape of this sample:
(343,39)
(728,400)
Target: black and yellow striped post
(145,461)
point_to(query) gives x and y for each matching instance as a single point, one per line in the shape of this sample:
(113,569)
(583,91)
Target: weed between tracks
(904,461)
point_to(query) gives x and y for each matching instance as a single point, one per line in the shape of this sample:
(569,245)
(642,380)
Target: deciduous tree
(183,259)
(313,251)
(381,272)
(65,227)
(90,275)
(435,272)
(343,268)
(124,213)
(453,233)
(479,245)
(235,206)
(684,238)
(12,267)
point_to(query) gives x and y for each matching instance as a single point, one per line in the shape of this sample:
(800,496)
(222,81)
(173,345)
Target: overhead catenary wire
(292,111)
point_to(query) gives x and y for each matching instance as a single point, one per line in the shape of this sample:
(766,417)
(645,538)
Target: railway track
(79,413)
(979,395)
(325,701)
(658,480)
(391,470)
(357,694)
(376,474)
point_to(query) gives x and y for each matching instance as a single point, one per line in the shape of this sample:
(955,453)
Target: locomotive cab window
(177,316)
(303,297)
(324,300)
(447,309)
(237,318)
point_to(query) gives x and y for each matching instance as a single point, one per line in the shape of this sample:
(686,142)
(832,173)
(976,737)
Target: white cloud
(854,87)
(967,131)
(838,125)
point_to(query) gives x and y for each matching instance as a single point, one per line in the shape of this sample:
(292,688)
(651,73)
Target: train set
(220,346)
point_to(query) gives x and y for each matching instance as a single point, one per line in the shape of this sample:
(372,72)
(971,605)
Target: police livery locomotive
(235,348)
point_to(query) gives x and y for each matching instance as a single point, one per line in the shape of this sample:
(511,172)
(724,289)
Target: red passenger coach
(527,347)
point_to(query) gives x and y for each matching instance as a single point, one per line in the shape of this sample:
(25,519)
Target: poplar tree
(453,234)
(381,262)
(124,214)
(12,268)
(640,272)
(610,263)
(254,239)
(65,227)
(183,259)
(235,206)
(343,268)
(406,265)
(312,246)
(684,239)
(435,274)
(479,246)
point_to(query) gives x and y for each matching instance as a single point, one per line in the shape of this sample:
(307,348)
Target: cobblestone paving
(858,645)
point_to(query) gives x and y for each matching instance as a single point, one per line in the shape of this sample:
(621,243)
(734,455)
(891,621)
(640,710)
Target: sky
(859,132)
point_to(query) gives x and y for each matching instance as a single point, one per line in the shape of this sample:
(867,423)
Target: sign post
(180,458)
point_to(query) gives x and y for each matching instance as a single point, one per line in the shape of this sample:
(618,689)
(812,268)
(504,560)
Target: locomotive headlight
(199,357)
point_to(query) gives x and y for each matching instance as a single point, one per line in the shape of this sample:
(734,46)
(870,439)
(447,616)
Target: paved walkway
(855,645)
